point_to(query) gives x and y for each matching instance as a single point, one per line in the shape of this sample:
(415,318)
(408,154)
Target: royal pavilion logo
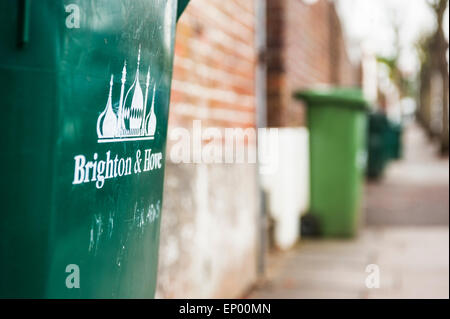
(128,119)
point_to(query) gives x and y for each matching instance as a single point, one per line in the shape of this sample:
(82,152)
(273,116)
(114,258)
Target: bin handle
(23,23)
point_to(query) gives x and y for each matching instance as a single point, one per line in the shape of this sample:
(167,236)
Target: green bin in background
(384,143)
(394,140)
(85,88)
(337,123)
(378,153)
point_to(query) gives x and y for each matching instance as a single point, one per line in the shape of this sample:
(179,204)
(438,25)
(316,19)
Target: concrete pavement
(414,190)
(406,236)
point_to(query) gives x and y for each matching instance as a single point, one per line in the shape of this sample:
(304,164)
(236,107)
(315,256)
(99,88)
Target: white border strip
(117,140)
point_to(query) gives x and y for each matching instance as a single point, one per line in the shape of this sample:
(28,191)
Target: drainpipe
(261,120)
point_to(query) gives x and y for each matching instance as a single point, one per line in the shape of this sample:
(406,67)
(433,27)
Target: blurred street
(406,234)
(413,191)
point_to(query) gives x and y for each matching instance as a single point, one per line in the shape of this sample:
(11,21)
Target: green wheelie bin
(394,140)
(337,123)
(384,144)
(378,155)
(85,88)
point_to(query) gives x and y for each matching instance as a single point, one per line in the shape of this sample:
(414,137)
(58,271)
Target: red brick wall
(215,59)
(208,232)
(306,48)
(214,66)
(344,72)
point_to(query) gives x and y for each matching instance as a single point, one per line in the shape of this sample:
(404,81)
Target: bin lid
(182,4)
(339,97)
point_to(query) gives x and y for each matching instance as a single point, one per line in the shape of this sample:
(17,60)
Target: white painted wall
(287,186)
(208,246)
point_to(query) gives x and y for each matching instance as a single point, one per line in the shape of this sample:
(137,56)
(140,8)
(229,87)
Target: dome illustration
(129,118)
(151,117)
(107,121)
(134,109)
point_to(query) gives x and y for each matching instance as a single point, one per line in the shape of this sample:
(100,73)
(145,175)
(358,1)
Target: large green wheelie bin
(337,123)
(85,89)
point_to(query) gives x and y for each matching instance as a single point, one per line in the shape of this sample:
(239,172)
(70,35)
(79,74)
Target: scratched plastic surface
(54,90)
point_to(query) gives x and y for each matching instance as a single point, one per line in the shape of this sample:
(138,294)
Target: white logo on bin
(132,121)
